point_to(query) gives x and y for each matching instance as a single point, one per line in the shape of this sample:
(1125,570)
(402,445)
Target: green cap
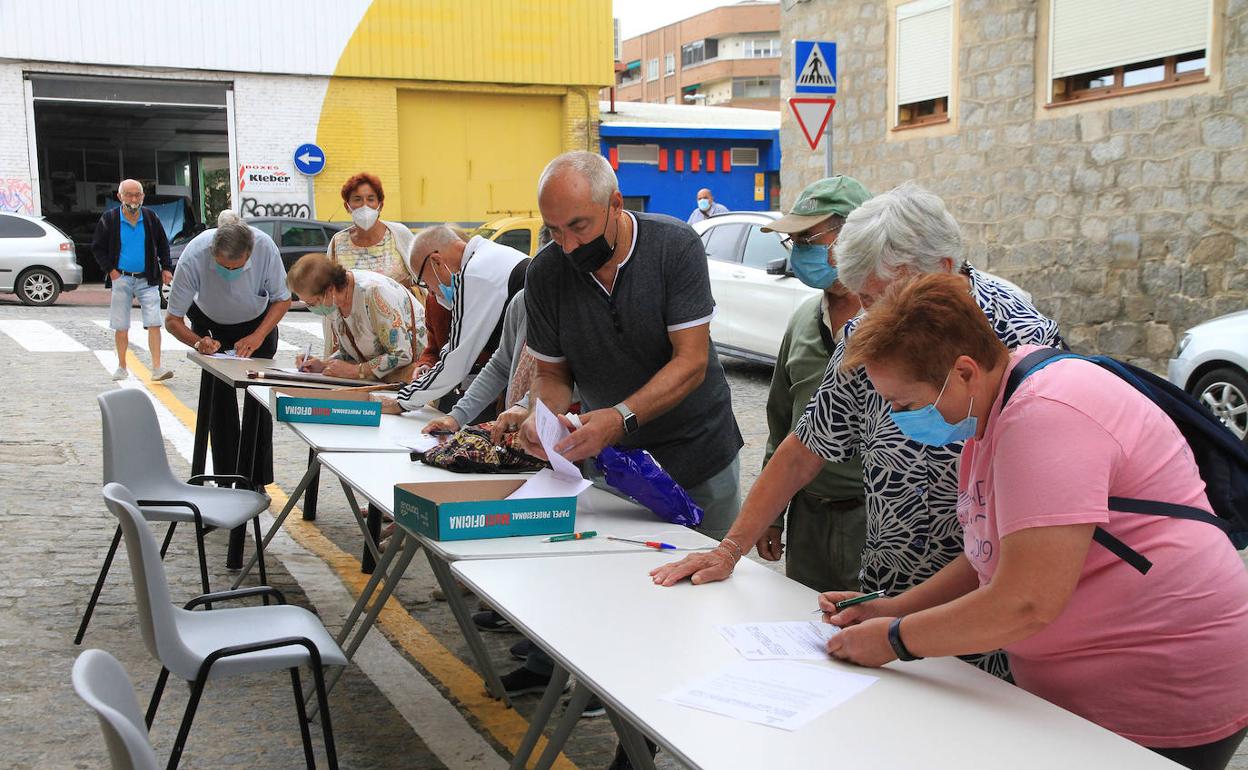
(834,195)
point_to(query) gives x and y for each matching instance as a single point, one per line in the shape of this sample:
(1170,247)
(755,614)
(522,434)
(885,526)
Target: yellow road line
(504,725)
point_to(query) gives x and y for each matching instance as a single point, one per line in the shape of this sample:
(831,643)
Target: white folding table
(372,440)
(631,642)
(374,477)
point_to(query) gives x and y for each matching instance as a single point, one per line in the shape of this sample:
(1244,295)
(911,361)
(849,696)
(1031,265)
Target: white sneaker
(161,374)
(120,374)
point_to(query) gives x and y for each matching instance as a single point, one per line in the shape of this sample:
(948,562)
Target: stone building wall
(1127,218)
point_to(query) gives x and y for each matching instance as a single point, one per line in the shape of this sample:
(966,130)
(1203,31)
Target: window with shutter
(1113,47)
(924,61)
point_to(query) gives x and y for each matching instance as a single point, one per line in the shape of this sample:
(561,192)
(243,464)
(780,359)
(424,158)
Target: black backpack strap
(1122,550)
(1034,360)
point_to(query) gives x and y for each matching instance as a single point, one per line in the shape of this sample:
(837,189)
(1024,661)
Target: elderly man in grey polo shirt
(620,304)
(231,284)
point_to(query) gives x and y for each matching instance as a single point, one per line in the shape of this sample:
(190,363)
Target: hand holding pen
(847,608)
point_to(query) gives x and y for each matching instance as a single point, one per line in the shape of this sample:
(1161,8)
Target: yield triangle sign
(812,115)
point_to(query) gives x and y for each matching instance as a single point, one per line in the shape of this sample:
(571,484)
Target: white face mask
(365,217)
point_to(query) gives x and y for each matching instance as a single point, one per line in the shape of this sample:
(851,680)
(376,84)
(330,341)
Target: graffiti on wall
(16,196)
(254,208)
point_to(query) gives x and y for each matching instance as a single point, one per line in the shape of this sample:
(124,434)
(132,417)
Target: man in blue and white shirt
(911,488)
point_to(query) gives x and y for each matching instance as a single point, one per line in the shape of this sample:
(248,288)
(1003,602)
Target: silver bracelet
(740,553)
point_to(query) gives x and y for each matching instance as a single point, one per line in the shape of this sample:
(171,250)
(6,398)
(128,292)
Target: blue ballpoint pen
(648,543)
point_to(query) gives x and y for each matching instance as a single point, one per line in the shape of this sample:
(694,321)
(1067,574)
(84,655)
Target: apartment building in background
(728,56)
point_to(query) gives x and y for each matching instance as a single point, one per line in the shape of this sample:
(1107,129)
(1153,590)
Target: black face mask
(588,257)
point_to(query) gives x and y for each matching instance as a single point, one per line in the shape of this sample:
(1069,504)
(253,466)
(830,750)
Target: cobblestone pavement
(410,700)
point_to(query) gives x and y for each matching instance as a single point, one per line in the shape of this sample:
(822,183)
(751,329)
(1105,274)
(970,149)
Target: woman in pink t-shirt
(1158,657)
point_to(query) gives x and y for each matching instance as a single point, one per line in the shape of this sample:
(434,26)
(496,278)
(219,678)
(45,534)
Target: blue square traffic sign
(814,67)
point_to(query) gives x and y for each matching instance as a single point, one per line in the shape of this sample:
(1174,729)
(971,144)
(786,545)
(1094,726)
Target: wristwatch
(630,419)
(899,647)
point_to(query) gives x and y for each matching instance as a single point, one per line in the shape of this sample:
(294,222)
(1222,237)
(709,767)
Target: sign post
(310,161)
(814,65)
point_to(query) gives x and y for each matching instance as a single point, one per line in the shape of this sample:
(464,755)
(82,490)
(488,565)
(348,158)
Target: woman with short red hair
(371,243)
(1153,653)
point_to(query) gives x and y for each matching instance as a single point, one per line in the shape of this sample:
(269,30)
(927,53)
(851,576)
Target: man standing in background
(707,207)
(132,249)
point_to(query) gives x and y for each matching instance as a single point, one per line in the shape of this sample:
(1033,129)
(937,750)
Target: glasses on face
(420,273)
(807,240)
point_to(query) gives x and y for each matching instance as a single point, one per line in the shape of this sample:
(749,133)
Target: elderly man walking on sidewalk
(133,251)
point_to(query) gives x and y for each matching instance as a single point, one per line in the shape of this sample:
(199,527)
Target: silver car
(1211,363)
(36,260)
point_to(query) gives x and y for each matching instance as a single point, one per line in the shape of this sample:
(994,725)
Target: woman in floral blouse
(371,243)
(378,327)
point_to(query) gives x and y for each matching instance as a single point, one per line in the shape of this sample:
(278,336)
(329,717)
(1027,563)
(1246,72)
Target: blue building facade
(661,168)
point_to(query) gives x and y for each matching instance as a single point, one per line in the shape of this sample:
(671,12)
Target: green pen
(856,600)
(571,536)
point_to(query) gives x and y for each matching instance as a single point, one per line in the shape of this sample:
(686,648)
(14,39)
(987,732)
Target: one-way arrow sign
(309,159)
(812,115)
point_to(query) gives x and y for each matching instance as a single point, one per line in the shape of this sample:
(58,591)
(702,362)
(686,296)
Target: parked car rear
(36,260)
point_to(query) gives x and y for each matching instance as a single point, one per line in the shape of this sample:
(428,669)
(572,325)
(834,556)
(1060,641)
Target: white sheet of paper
(227,354)
(424,413)
(288,369)
(547,483)
(777,693)
(790,640)
(550,432)
(419,443)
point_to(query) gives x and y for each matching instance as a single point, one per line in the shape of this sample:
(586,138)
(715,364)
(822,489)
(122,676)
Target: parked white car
(1211,363)
(36,260)
(755,293)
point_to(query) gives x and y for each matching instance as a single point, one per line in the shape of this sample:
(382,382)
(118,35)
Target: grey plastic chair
(102,682)
(134,455)
(198,646)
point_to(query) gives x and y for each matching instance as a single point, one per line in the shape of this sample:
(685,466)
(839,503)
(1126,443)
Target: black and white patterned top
(911,488)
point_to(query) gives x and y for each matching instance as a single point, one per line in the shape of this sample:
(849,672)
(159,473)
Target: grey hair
(905,228)
(434,238)
(233,238)
(592,167)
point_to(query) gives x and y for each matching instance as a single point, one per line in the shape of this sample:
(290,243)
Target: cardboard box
(472,510)
(324,406)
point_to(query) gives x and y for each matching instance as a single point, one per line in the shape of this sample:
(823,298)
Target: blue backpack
(1221,458)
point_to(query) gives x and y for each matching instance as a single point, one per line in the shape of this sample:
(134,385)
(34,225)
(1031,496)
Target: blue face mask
(229,274)
(809,262)
(703,204)
(928,426)
(448,293)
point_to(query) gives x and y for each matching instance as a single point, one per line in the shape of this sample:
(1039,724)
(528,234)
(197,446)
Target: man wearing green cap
(827,517)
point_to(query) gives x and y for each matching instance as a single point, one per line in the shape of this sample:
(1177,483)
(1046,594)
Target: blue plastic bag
(635,473)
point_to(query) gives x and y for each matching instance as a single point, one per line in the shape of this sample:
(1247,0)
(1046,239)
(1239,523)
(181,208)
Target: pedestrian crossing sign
(814,65)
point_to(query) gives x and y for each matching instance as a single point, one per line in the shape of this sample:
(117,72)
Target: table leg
(245,466)
(277,523)
(370,527)
(203,419)
(446,581)
(633,742)
(371,538)
(571,715)
(391,581)
(309,498)
(539,720)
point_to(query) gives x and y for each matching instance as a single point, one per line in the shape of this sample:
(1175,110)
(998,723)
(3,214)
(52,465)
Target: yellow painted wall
(551,42)
(365,126)
(526,71)
(474,156)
